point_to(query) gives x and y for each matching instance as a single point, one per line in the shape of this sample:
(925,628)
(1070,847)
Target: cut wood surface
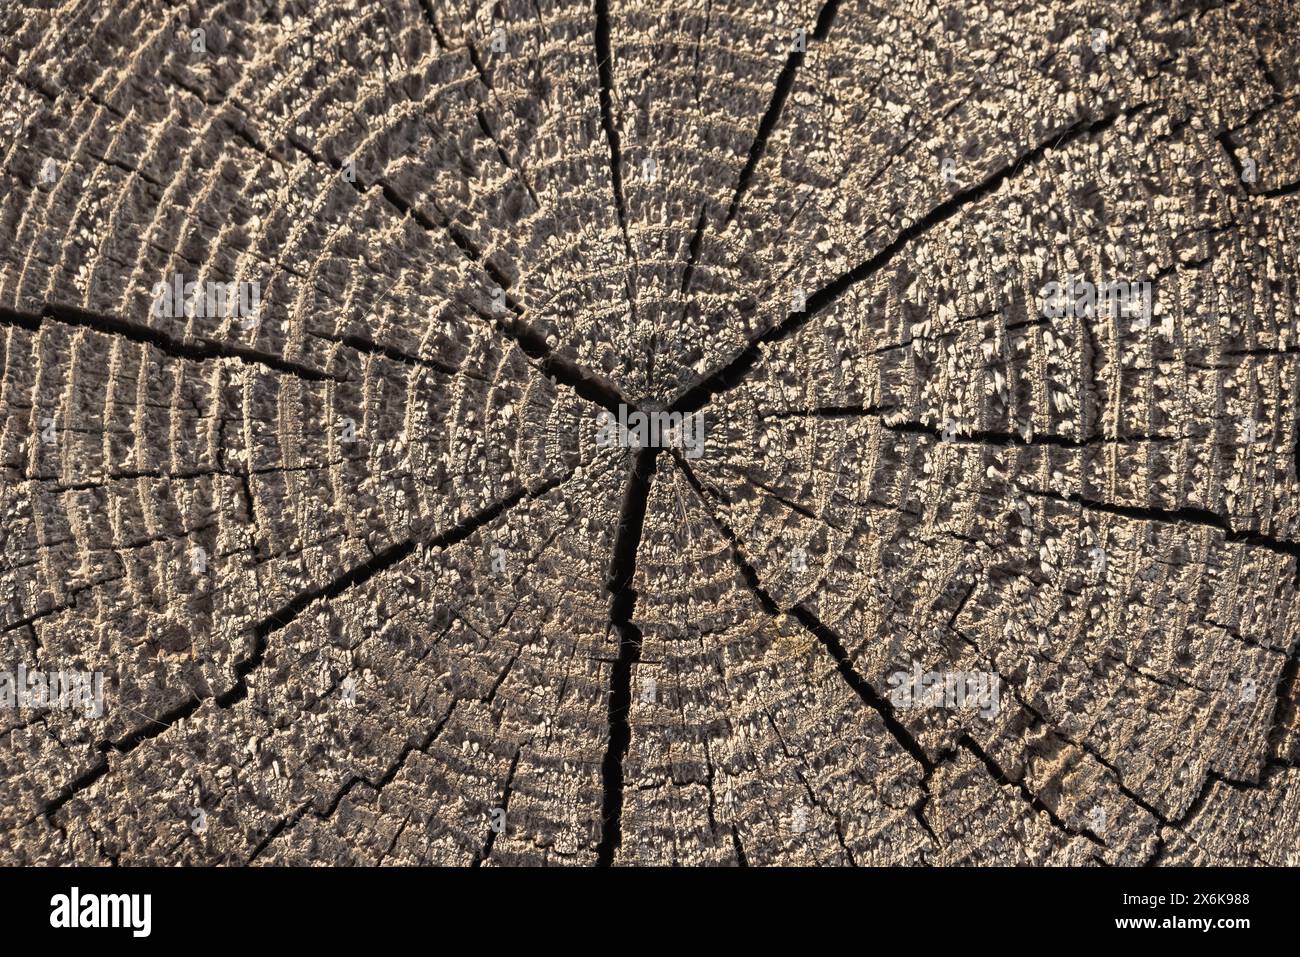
(365,579)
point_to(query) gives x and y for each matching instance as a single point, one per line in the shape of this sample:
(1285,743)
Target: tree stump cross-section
(694,432)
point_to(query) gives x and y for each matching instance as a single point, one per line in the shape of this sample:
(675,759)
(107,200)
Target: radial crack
(1188,514)
(586,383)
(390,775)
(829,640)
(784,84)
(605,73)
(195,350)
(281,618)
(732,372)
(622,571)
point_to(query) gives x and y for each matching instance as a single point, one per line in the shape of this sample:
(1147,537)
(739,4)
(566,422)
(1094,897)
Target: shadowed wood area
(331,338)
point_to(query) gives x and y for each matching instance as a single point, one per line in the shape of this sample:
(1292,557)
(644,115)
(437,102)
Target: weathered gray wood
(432,618)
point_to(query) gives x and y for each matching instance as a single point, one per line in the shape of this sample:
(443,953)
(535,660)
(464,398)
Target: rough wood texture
(433,619)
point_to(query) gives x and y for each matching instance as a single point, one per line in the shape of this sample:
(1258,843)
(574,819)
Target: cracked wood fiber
(435,620)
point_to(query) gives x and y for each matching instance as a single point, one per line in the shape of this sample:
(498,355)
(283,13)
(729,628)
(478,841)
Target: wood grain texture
(435,619)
